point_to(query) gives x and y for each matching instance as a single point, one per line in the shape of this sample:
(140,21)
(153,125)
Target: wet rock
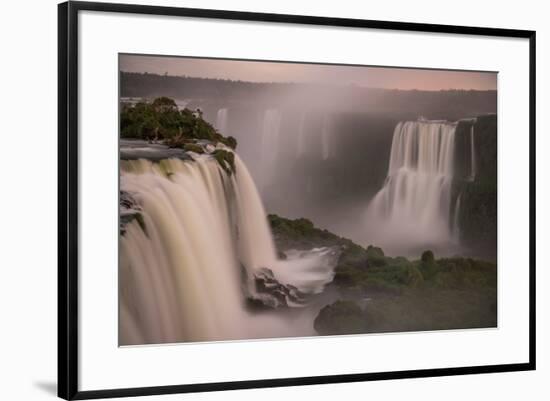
(270,293)
(342,317)
(129,210)
(134,149)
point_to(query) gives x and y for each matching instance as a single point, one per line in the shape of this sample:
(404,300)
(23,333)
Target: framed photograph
(255,200)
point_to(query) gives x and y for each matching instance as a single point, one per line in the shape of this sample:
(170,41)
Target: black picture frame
(68,197)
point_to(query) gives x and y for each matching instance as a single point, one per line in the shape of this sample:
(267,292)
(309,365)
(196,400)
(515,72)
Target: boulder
(342,317)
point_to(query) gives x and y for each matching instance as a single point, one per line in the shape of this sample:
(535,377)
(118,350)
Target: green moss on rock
(193,147)
(225,159)
(229,141)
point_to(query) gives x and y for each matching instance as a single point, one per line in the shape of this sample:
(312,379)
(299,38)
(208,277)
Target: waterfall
(456,228)
(414,206)
(182,103)
(471,178)
(182,262)
(270,133)
(473,167)
(221,121)
(270,142)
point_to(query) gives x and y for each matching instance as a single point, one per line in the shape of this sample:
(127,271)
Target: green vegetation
(162,120)
(429,294)
(427,257)
(302,234)
(419,310)
(193,147)
(375,256)
(389,278)
(381,293)
(299,233)
(357,267)
(399,274)
(225,159)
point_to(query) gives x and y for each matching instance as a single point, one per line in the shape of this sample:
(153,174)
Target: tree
(162,120)
(163,104)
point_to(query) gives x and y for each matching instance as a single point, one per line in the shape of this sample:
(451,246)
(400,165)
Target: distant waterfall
(470,178)
(181,263)
(456,228)
(473,166)
(269,149)
(414,206)
(221,121)
(182,103)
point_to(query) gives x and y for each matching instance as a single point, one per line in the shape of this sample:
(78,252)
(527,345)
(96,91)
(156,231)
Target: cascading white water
(184,215)
(180,267)
(456,227)
(270,133)
(269,150)
(221,121)
(414,206)
(182,103)
(473,166)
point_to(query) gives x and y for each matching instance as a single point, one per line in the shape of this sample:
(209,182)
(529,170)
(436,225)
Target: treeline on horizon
(148,85)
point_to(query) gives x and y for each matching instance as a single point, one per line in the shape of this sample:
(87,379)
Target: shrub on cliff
(162,120)
(427,265)
(300,234)
(375,256)
(427,257)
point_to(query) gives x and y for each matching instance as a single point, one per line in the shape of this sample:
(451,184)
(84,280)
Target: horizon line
(305,83)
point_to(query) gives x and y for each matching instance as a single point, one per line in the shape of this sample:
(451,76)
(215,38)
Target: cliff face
(478,197)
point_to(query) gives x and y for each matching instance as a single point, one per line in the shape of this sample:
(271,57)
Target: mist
(318,151)
(290,204)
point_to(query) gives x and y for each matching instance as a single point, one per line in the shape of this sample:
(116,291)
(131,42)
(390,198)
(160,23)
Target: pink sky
(255,71)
